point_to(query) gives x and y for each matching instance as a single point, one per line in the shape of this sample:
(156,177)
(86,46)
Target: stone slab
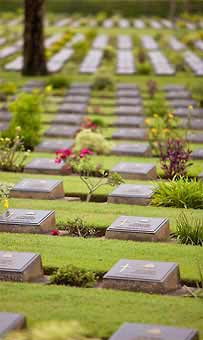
(44,166)
(194,123)
(124,121)
(136,194)
(197,154)
(73,108)
(62,131)
(10,322)
(76,99)
(136,228)
(132,149)
(129,110)
(174,88)
(179,103)
(38,189)
(3,126)
(145,276)
(176,95)
(132,170)
(5,116)
(68,119)
(23,267)
(127,86)
(27,221)
(184,112)
(201,176)
(195,137)
(130,134)
(137,331)
(52,145)
(128,93)
(129,101)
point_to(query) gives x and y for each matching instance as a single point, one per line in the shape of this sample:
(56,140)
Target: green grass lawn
(100,311)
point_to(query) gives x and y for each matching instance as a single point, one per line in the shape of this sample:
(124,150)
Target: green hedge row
(128,8)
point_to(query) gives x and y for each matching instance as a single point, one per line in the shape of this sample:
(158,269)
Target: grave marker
(132,149)
(52,145)
(130,170)
(38,189)
(62,131)
(130,134)
(10,322)
(131,194)
(45,166)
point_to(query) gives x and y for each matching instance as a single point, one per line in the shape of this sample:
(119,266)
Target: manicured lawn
(100,311)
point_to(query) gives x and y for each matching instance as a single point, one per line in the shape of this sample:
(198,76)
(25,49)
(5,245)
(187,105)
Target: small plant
(92,140)
(71,275)
(78,227)
(6,89)
(141,56)
(103,81)
(58,82)
(157,106)
(27,110)
(80,50)
(5,189)
(197,91)
(178,193)
(189,229)
(109,53)
(174,158)
(144,68)
(198,292)
(93,123)
(152,88)
(12,153)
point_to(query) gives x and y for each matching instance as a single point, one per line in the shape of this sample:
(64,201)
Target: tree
(172,10)
(34,50)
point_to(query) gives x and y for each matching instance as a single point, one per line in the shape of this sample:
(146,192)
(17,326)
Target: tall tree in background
(172,10)
(34,50)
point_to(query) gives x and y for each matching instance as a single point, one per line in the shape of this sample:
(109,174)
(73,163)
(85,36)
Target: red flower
(84,152)
(54,232)
(57,160)
(62,154)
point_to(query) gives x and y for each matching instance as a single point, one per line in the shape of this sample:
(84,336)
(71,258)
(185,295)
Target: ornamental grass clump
(189,229)
(71,275)
(179,193)
(94,141)
(174,158)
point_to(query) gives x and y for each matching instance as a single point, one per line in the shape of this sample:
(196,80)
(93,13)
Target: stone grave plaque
(129,110)
(3,126)
(10,322)
(128,94)
(130,121)
(136,228)
(27,221)
(178,95)
(194,123)
(137,331)
(79,91)
(179,103)
(131,170)
(39,189)
(174,88)
(132,149)
(52,145)
(130,134)
(68,119)
(195,137)
(62,131)
(76,99)
(5,116)
(15,266)
(197,154)
(73,108)
(44,166)
(127,86)
(126,101)
(145,276)
(131,194)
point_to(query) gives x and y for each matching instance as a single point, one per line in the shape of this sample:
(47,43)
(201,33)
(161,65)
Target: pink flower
(57,160)
(64,152)
(84,152)
(54,232)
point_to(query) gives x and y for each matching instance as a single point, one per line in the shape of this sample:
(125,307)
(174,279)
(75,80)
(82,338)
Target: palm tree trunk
(34,51)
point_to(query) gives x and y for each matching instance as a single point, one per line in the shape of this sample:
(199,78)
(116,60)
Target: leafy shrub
(92,140)
(189,229)
(141,56)
(12,154)
(103,81)
(6,89)
(78,227)
(101,16)
(197,90)
(58,82)
(27,110)
(179,193)
(109,53)
(144,68)
(80,50)
(174,157)
(157,106)
(93,123)
(71,275)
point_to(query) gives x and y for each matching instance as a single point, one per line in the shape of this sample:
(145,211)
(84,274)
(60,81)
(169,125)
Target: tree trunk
(34,51)
(172,10)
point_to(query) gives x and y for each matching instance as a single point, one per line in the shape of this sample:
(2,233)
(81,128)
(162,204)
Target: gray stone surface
(129,110)
(179,103)
(132,170)
(193,123)
(139,275)
(76,99)
(132,149)
(16,266)
(126,101)
(129,121)
(197,154)
(136,331)
(11,322)
(130,134)
(44,165)
(38,188)
(62,131)
(3,126)
(139,229)
(5,116)
(52,145)
(68,119)
(73,108)
(195,137)
(131,194)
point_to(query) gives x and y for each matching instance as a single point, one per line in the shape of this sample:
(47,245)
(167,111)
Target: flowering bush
(160,130)
(174,157)
(92,140)
(5,189)
(92,123)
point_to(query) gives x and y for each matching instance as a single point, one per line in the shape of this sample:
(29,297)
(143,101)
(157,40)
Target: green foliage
(197,91)
(179,193)
(144,68)
(92,140)
(71,275)
(78,227)
(157,106)
(80,50)
(109,53)
(27,110)
(12,154)
(189,229)
(6,89)
(5,189)
(58,82)
(101,16)
(103,81)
